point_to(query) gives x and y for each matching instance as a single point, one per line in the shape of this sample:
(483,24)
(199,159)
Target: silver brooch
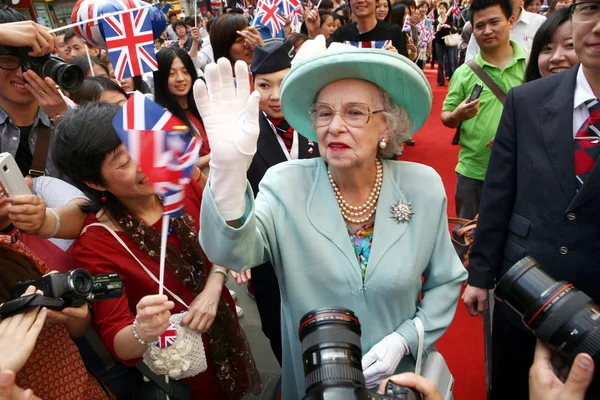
(402,211)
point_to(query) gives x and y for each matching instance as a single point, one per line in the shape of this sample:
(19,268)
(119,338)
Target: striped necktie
(587,148)
(285,131)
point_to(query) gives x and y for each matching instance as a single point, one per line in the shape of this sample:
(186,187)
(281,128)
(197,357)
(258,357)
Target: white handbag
(435,368)
(452,40)
(186,357)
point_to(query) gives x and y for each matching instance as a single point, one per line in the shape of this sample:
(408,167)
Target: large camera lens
(80,282)
(69,77)
(562,317)
(331,350)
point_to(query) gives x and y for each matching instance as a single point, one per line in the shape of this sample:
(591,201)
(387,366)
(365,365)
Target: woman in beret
(350,229)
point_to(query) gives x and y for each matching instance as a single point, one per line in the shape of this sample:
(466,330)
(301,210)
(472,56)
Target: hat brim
(397,75)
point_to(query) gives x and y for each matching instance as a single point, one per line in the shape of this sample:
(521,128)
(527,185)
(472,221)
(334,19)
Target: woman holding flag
(124,202)
(444,26)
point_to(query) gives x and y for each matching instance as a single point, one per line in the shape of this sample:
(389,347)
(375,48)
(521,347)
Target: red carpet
(462,345)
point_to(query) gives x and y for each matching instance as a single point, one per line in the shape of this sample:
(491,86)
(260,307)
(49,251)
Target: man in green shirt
(504,61)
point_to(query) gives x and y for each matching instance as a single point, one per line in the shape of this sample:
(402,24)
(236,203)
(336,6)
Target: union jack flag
(406,26)
(455,11)
(269,15)
(168,337)
(165,154)
(289,7)
(422,28)
(245,11)
(130,43)
(375,44)
(431,16)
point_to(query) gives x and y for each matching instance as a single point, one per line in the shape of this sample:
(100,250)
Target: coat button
(571,216)
(563,250)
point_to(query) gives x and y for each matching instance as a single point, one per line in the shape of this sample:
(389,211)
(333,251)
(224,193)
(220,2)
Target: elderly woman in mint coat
(315,242)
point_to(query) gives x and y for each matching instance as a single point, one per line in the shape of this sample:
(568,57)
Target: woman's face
(423,11)
(344,146)
(241,50)
(268,86)
(534,7)
(337,23)
(328,27)
(180,80)
(123,177)
(562,4)
(111,96)
(382,10)
(558,55)
(442,10)
(127,84)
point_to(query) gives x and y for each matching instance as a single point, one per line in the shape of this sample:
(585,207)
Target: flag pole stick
(87,53)
(195,13)
(163,252)
(87,21)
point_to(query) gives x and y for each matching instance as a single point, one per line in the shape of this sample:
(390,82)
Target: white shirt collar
(523,16)
(583,90)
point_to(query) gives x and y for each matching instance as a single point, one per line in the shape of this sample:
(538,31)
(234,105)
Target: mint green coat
(296,224)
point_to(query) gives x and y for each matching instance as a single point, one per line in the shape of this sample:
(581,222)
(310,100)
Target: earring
(383,143)
(103,198)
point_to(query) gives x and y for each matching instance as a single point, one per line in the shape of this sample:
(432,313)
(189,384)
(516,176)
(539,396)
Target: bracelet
(218,271)
(56,223)
(137,336)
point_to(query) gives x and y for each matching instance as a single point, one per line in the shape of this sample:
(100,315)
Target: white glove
(230,117)
(382,360)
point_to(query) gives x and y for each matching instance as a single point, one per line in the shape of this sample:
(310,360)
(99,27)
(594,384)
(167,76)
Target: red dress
(98,252)
(205,149)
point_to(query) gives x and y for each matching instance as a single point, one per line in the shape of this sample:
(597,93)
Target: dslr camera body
(75,287)
(69,77)
(332,354)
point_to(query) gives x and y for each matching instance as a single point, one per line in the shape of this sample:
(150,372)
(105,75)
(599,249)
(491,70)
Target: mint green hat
(397,75)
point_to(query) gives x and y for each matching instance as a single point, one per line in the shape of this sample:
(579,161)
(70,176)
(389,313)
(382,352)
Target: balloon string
(87,21)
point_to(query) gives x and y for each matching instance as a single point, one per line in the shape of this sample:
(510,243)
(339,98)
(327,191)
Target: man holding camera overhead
(541,197)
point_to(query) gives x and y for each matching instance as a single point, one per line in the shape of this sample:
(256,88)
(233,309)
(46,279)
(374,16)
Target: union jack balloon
(87,9)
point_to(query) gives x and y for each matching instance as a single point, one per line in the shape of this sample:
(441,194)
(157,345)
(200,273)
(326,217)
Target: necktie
(587,150)
(285,131)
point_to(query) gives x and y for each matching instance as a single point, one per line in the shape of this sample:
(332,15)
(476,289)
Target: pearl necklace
(353,213)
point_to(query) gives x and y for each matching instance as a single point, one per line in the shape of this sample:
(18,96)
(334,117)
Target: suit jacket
(296,224)
(530,205)
(270,153)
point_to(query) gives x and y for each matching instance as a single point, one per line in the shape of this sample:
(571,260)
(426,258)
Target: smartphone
(11,178)
(475,93)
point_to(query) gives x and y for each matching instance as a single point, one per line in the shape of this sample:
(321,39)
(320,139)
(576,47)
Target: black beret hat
(272,57)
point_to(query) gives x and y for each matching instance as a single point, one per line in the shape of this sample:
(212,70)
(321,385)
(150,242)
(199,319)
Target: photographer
(28,103)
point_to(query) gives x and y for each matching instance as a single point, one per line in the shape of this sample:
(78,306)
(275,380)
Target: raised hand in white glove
(230,117)
(382,360)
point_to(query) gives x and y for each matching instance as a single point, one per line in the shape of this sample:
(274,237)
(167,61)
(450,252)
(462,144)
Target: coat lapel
(387,230)
(556,121)
(268,147)
(325,216)
(589,190)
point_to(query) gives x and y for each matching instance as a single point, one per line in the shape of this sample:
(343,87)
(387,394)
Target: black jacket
(530,205)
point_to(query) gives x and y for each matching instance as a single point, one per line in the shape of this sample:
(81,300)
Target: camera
(332,354)
(69,77)
(562,317)
(75,287)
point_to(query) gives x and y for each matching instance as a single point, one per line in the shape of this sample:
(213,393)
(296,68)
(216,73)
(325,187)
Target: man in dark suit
(541,198)
(277,142)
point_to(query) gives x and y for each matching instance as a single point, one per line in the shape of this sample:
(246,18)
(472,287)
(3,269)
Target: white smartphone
(11,178)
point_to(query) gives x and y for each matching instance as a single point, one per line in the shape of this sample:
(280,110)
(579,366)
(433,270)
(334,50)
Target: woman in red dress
(89,152)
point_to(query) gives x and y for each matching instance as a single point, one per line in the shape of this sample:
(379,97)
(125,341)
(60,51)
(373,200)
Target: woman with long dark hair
(173,82)
(444,26)
(552,50)
(232,37)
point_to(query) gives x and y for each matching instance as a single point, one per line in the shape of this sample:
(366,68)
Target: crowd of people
(299,190)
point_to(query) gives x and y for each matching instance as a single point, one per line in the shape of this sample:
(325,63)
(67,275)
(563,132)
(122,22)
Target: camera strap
(489,82)
(38,164)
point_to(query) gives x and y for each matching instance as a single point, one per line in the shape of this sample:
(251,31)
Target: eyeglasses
(587,11)
(354,114)
(9,62)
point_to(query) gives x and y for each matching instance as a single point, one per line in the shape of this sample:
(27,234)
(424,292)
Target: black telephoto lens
(331,350)
(69,77)
(561,316)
